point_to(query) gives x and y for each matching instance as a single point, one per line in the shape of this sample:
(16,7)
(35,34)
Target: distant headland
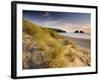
(77,31)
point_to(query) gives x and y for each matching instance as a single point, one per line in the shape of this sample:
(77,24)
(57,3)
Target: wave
(77,35)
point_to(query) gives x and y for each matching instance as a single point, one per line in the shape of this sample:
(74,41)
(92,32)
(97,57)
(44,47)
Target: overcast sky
(62,20)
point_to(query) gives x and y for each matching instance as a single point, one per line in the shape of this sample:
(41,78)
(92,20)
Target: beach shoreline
(83,44)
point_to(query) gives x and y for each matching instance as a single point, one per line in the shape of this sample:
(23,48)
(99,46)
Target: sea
(77,35)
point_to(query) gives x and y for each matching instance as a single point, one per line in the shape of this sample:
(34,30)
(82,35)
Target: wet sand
(81,43)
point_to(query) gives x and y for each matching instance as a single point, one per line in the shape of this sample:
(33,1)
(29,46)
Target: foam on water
(77,35)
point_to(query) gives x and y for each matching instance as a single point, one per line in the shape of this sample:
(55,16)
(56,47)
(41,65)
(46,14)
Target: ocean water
(77,35)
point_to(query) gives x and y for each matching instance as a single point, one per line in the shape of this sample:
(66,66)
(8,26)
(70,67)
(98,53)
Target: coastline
(83,44)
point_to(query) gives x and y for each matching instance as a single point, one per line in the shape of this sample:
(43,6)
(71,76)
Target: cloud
(68,27)
(52,23)
(64,25)
(73,27)
(46,14)
(86,28)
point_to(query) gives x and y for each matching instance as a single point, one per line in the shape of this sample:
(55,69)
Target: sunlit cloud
(73,27)
(68,27)
(86,28)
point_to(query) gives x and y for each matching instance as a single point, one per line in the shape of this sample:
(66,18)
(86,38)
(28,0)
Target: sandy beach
(81,43)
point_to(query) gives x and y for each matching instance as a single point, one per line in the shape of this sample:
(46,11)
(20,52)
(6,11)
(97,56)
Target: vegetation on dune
(45,39)
(44,48)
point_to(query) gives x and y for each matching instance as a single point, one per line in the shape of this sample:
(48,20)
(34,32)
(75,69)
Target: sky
(67,21)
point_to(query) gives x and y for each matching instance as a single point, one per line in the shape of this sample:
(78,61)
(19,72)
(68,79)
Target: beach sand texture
(84,44)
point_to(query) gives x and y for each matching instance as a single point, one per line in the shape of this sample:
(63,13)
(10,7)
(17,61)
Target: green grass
(47,41)
(66,42)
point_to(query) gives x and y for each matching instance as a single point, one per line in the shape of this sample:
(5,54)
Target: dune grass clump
(46,43)
(66,42)
(71,56)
